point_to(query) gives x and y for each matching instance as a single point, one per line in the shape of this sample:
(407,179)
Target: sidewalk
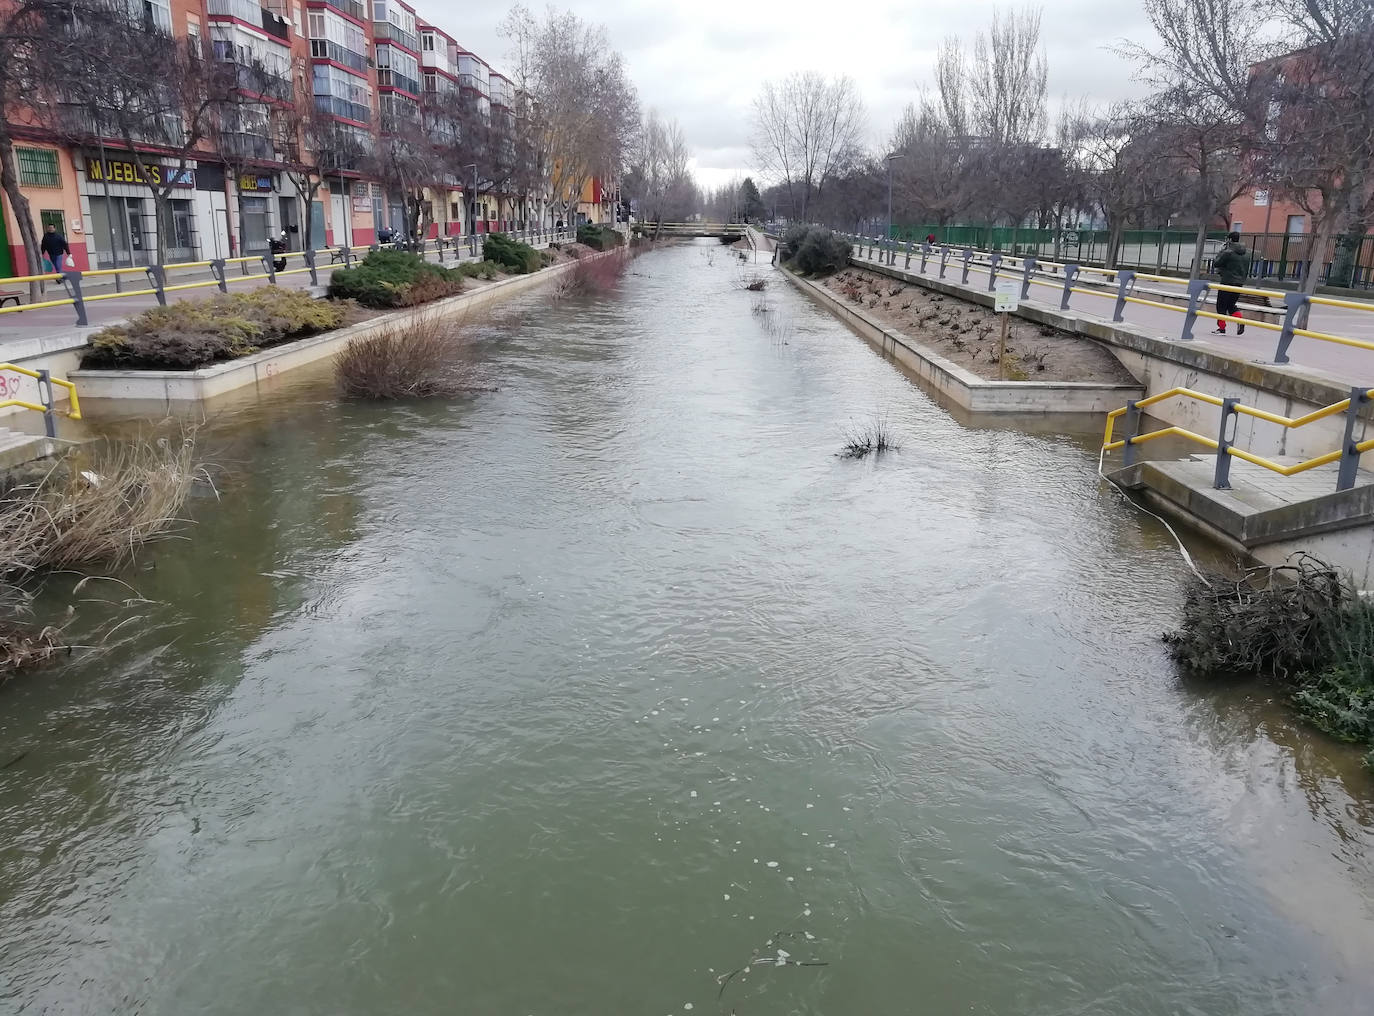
(1257,344)
(58,324)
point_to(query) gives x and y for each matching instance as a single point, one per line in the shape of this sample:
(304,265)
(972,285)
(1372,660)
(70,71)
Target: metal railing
(1348,455)
(1125,283)
(340,255)
(1346,261)
(48,407)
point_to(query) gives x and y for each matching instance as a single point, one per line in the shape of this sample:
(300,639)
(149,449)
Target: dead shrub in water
(97,505)
(594,274)
(425,357)
(868,437)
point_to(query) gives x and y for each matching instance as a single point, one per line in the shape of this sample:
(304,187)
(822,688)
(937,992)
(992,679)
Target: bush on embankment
(196,333)
(814,250)
(599,237)
(424,357)
(512,255)
(392,278)
(1302,625)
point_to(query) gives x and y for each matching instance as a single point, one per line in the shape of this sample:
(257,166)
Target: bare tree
(804,128)
(1302,92)
(585,106)
(659,179)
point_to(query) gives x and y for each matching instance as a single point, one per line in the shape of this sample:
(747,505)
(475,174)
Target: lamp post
(472,238)
(890,160)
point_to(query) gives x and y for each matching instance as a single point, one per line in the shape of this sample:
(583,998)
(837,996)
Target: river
(577,696)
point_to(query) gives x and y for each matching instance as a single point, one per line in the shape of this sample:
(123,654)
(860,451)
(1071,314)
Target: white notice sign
(1008,296)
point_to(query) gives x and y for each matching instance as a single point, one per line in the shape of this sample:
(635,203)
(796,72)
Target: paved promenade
(1351,364)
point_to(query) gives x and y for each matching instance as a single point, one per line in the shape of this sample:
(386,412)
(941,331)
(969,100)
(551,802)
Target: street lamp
(890,160)
(472,238)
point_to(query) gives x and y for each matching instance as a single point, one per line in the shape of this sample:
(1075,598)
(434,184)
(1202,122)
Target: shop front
(257,196)
(118,208)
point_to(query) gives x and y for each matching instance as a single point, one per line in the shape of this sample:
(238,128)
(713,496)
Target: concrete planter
(185,386)
(963,387)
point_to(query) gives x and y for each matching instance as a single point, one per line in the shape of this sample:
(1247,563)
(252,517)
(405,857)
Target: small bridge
(659,230)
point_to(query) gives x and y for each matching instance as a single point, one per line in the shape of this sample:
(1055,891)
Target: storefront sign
(362,202)
(122,171)
(255,182)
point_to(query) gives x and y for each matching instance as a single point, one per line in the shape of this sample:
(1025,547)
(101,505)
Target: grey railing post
(217,270)
(1197,293)
(1221,479)
(1294,303)
(968,263)
(157,277)
(891,253)
(994,263)
(1125,281)
(270,268)
(1350,454)
(1028,267)
(73,280)
(1070,273)
(45,392)
(925,256)
(944,260)
(1132,428)
(907,264)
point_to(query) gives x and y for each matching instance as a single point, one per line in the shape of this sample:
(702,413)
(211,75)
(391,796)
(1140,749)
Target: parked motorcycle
(278,245)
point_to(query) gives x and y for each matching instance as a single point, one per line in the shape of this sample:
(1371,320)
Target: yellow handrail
(75,409)
(1287,422)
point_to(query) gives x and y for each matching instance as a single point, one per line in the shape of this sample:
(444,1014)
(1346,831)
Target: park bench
(7,295)
(337,254)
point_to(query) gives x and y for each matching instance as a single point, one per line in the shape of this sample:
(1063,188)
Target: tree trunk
(1114,232)
(9,181)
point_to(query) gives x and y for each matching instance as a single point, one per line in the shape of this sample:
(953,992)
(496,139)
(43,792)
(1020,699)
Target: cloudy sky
(704,61)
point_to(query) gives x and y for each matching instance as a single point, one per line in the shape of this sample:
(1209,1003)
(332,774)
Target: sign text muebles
(124,171)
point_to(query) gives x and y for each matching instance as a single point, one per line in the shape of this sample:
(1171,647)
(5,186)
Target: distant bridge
(660,230)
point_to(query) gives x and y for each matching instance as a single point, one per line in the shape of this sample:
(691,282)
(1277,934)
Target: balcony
(352,8)
(336,106)
(246,145)
(323,49)
(389,78)
(276,26)
(382,30)
(473,82)
(244,10)
(258,80)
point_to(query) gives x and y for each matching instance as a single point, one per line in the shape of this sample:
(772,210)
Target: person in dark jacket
(1232,265)
(55,250)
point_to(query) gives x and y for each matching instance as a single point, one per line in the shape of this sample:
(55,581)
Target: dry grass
(594,274)
(868,437)
(423,358)
(96,505)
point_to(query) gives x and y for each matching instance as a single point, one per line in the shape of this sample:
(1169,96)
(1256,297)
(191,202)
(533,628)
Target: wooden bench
(336,255)
(7,295)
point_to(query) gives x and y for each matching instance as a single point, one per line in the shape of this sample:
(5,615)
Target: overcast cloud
(704,61)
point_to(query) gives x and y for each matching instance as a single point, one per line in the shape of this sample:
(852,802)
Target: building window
(1295,225)
(38,167)
(427,41)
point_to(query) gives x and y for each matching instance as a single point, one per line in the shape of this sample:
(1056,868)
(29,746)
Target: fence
(1276,257)
(251,269)
(1121,284)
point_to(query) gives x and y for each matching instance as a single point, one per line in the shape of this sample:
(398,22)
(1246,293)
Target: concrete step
(17,448)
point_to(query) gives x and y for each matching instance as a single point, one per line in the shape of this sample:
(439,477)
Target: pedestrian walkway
(1349,363)
(58,323)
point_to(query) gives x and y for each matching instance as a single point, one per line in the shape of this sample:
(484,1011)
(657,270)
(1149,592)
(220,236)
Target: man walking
(1232,265)
(55,250)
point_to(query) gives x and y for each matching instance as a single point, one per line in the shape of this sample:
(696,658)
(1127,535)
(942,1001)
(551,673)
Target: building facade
(363,68)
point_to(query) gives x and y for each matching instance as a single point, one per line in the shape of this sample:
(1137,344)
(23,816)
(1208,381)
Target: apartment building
(363,67)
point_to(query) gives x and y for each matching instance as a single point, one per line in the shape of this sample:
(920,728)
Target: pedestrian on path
(56,252)
(1232,265)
